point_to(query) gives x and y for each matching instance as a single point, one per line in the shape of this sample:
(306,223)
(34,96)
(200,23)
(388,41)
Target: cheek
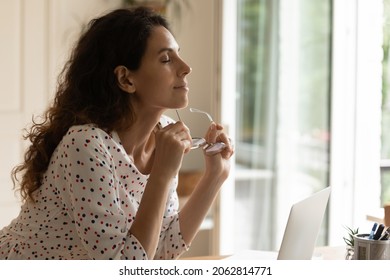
(153,86)
(160,81)
(153,79)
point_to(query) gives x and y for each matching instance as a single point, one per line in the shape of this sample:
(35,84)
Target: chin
(182,104)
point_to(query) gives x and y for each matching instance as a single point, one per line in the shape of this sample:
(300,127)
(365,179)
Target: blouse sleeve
(90,192)
(171,244)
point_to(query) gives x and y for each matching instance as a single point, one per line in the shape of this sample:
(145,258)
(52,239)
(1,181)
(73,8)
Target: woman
(99,179)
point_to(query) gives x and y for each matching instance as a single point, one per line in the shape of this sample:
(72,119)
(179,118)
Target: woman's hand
(172,142)
(218,164)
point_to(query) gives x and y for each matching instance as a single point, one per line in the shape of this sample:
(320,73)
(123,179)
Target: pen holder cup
(368,249)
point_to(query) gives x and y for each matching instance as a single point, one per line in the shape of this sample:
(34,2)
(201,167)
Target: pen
(379,231)
(371,236)
(386,235)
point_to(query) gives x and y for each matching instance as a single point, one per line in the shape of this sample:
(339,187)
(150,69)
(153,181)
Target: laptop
(300,234)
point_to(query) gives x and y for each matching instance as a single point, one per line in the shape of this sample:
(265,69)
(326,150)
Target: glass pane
(306,129)
(385,152)
(282,121)
(256,114)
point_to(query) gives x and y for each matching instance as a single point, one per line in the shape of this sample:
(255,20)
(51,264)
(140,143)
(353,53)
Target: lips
(181,86)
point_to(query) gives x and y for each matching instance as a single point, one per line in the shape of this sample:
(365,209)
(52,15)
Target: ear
(123,76)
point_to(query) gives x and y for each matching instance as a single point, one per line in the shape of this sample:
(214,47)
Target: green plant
(351,233)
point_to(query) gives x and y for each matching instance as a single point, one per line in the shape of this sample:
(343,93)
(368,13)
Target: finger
(182,136)
(182,126)
(227,153)
(222,137)
(187,146)
(228,150)
(212,133)
(177,132)
(218,126)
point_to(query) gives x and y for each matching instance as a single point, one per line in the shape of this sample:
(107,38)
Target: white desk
(330,253)
(320,253)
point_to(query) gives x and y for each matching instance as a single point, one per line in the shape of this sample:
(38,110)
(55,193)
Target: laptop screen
(303,226)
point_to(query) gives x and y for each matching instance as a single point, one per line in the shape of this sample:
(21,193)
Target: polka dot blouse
(86,205)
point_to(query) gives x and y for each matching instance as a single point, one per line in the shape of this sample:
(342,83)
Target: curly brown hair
(87,90)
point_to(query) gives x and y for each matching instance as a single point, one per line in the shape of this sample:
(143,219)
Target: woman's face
(160,82)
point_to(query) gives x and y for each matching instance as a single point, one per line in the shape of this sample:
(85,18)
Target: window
(282,114)
(307,75)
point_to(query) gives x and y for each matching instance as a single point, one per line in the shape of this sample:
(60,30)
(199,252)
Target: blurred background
(301,86)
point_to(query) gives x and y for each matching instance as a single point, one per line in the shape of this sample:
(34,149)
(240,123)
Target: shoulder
(86,134)
(88,140)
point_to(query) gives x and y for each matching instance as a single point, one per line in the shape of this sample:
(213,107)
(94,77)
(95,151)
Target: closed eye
(166,58)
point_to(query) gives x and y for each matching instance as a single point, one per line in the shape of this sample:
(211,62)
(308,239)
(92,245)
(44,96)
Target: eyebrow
(167,50)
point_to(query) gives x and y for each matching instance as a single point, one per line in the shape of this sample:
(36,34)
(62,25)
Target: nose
(185,69)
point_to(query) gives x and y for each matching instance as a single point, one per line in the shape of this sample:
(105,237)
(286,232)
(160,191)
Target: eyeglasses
(200,142)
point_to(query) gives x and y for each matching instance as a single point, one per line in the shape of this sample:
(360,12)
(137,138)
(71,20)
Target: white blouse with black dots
(86,205)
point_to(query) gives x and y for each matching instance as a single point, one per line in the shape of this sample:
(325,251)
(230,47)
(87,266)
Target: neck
(138,140)
(137,135)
